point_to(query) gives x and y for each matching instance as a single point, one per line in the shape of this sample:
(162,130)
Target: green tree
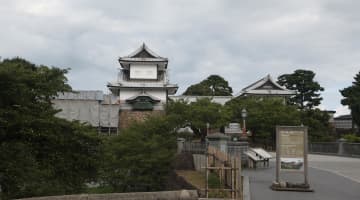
(197,114)
(351,98)
(263,116)
(40,154)
(214,85)
(317,121)
(140,158)
(307,89)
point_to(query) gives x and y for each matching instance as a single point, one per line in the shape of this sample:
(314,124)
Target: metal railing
(324,147)
(194,147)
(335,148)
(351,149)
(235,149)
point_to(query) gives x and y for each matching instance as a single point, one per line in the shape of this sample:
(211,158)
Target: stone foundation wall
(168,195)
(127,117)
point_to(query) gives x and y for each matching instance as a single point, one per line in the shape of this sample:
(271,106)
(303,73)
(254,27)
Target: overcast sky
(242,41)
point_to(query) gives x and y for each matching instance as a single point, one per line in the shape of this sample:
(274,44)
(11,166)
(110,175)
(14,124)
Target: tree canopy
(307,88)
(351,98)
(139,159)
(263,116)
(197,115)
(40,154)
(214,85)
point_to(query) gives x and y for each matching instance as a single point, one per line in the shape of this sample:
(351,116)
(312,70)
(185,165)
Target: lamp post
(244,115)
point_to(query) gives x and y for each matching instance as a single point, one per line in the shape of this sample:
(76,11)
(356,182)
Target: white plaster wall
(158,93)
(125,94)
(143,71)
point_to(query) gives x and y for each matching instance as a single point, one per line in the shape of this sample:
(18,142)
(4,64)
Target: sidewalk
(328,180)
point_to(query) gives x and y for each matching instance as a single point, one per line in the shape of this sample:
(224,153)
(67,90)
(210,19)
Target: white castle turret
(142,86)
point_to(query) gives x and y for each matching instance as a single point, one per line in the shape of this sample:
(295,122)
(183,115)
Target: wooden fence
(228,170)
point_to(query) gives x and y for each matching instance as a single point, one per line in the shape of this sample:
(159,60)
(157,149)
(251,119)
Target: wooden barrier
(228,169)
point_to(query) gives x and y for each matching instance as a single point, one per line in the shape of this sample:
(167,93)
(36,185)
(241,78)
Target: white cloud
(240,40)
(342,110)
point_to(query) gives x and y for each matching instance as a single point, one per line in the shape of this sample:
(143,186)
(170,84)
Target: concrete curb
(246,188)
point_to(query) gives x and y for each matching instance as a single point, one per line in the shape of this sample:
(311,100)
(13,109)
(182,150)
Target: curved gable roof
(265,86)
(143,55)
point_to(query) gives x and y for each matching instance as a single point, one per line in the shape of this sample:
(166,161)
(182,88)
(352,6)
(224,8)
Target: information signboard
(291,150)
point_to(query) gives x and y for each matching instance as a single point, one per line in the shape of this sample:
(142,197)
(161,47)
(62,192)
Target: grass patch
(195,178)
(198,179)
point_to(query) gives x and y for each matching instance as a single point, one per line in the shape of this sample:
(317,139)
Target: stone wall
(168,195)
(127,117)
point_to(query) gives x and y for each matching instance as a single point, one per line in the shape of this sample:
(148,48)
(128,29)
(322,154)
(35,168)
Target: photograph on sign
(296,164)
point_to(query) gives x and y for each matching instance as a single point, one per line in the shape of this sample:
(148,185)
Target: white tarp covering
(84,111)
(109,116)
(82,95)
(91,107)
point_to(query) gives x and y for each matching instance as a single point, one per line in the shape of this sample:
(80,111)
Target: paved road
(344,166)
(328,176)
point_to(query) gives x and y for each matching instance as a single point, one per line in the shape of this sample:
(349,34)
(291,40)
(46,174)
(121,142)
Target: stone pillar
(341,142)
(223,145)
(180,145)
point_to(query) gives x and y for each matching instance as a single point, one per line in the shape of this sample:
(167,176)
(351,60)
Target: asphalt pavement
(331,178)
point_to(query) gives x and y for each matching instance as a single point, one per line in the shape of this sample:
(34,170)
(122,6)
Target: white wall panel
(143,71)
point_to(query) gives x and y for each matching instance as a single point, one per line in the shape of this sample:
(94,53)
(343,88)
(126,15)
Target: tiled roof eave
(269,92)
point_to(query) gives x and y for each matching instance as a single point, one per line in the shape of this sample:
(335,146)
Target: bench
(256,155)
(252,159)
(264,155)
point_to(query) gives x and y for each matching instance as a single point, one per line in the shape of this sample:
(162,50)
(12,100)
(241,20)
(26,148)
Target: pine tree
(351,98)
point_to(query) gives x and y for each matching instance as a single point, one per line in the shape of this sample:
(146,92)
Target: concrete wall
(164,195)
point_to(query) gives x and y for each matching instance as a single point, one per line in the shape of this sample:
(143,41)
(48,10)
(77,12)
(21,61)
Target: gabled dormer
(143,64)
